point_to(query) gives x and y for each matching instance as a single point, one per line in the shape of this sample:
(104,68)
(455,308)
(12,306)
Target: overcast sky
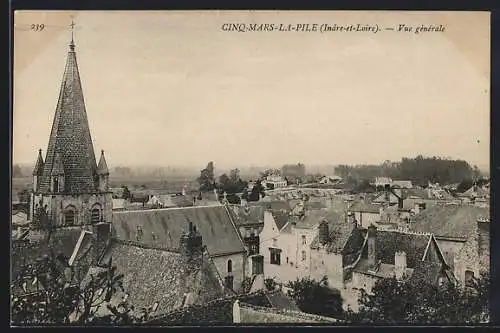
(172,88)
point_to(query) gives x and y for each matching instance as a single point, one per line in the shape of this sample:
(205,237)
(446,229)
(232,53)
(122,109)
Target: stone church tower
(69,187)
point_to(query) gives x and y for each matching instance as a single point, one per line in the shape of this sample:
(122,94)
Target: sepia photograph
(240,168)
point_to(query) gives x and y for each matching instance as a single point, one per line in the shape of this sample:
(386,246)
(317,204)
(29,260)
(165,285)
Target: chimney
(483,240)
(372,235)
(399,264)
(323,232)
(191,245)
(102,234)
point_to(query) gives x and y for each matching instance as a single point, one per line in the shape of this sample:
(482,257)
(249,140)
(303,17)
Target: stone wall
(239,267)
(329,265)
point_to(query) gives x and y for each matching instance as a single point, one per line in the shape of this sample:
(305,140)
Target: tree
(316,297)
(206,179)
(126,193)
(24,195)
(257,191)
(270,284)
(58,301)
(395,302)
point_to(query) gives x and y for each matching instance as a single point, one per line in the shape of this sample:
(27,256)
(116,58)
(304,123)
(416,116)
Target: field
(168,185)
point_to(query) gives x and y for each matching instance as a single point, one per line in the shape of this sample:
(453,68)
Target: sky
(173,88)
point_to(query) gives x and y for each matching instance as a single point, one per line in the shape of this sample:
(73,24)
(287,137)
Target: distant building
(382,181)
(365,213)
(330,180)
(274,182)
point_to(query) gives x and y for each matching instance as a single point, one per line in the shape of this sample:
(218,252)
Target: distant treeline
(420,170)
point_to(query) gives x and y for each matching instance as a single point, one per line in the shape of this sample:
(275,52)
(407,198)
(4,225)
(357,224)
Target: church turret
(38,171)
(68,183)
(103,173)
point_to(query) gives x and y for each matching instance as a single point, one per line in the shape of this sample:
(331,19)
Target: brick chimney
(372,253)
(101,235)
(399,264)
(324,233)
(191,245)
(483,242)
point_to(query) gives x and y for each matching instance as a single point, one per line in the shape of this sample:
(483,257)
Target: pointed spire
(58,168)
(72,43)
(70,136)
(38,171)
(102,168)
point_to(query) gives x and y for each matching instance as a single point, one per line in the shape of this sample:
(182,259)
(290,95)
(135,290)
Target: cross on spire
(72,44)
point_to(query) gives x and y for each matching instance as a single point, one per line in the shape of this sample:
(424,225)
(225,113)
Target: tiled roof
(313,217)
(152,275)
(427,272)
(279,300)
(275,205)
(388,242)
(61,241)
(255,314)
(383,270)
(38,170)
(102,167)
(70,136)
(247,215)
(216,312)
(361,206)
(281,218)
(340,232)
(213,222)
(453,221)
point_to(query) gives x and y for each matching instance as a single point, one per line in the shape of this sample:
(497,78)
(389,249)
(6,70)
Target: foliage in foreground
(59,302)
(316,297)
(394,302)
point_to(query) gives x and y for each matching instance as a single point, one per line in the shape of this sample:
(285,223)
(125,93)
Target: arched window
(469,278)
(229,266)
(95,214)
(56,185)
(69,216)
(303,255)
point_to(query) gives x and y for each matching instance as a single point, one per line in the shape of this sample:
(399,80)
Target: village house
(274,182)
(164,227)
(398,184)
(454,226)
(365,213)
(160,277)
(403,255)
(334,249)
(476,195)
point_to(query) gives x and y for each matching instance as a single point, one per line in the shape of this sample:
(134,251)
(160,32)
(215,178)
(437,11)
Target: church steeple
(70,136)
(38,170)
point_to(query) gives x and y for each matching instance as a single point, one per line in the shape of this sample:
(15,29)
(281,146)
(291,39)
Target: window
(275,256)
(304,255)
(95,215)
(303,240)
(275,242)
(56,185)
(469,278)
(229,266)
(254,249)
(69,217)
(228,281)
